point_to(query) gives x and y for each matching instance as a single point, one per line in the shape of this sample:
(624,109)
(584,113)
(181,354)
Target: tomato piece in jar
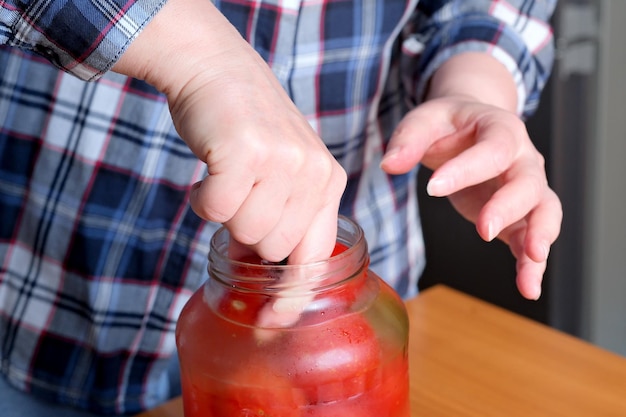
(253,390)
(241,307)
(332,361)
(243,304)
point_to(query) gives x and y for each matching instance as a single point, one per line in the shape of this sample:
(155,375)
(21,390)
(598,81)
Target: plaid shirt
(98,245)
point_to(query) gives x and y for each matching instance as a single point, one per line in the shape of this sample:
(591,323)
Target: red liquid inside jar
(344,354)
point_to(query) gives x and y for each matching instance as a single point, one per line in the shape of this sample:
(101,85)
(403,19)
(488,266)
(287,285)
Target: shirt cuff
(529,61)
(476,46)
(84,38)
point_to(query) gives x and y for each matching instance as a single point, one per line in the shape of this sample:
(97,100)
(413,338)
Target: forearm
(478,76)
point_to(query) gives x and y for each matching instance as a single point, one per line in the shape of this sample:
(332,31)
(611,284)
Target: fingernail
(438,187)
(536,292)
(390,155)
(495,225)
(545,247)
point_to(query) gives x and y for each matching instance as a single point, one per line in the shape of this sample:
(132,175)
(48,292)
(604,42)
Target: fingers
(260,213)
(463,143)
(529,277)
(319,241)
(492,147)
(527,214)
(544,225)
(541,212)
(520,191)
(419,131)
(530,240)
(317,244)
(529,272)
(278,215)
(305,230)
(231,189)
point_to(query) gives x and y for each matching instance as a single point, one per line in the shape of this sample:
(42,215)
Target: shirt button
(49,54)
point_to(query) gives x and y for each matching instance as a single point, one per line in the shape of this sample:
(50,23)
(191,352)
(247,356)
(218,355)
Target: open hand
(485,162)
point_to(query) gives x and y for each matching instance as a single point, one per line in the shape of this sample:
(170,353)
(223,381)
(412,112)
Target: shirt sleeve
(517,33)
(82,37)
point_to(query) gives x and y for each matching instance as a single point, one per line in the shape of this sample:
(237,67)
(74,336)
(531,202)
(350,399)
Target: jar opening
(258,275)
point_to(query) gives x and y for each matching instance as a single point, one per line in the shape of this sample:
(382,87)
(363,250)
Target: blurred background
(580,128)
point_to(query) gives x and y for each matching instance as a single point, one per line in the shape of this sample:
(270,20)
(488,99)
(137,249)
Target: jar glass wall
(268,340)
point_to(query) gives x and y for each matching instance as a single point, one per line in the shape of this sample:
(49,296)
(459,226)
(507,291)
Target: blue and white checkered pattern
(99,247)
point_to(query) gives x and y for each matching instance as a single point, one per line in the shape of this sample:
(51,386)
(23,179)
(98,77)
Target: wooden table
(472,359)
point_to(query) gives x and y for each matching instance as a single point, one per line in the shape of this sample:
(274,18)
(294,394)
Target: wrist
(475,76)
(187,42)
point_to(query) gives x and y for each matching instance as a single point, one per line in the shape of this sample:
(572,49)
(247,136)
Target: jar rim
(354,257)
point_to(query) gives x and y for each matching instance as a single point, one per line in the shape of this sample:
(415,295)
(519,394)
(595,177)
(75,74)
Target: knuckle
(215,214)
(540,159)
(538,186)
(244,237)
(206,209)
(502,157)
(279,248)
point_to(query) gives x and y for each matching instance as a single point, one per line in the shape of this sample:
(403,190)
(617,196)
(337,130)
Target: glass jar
(270,340)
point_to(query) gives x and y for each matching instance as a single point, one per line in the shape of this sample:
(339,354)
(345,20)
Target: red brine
(344,354)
